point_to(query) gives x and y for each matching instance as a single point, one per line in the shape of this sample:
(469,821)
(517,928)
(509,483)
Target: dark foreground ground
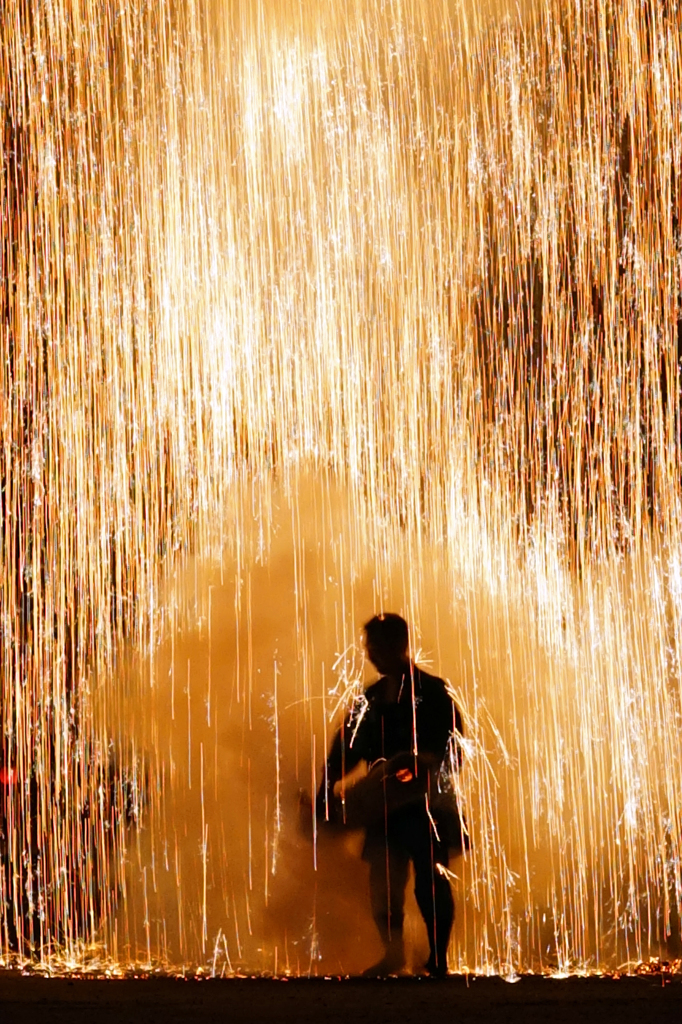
(403,1001)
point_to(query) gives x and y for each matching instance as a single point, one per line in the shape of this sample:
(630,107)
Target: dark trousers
(410,836)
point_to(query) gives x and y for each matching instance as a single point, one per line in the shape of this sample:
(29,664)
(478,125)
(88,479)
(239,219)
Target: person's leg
(434,897)
(388,871)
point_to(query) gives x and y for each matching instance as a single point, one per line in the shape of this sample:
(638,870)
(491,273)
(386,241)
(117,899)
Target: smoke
(233,715)
(234,712)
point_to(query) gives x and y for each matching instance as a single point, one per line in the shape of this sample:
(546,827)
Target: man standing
(402,731)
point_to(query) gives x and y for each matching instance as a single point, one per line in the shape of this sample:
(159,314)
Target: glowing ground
(632,999)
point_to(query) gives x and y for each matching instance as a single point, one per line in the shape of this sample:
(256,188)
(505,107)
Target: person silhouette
(402,730)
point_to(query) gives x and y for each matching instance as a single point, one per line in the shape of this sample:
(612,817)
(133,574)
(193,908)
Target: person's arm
(458,733)
(440,726)
(342,758)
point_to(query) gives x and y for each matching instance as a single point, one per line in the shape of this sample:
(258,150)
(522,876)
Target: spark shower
(307,310)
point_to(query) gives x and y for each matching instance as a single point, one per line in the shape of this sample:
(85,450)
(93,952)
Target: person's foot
(384,968)
(392,962)
(436,969)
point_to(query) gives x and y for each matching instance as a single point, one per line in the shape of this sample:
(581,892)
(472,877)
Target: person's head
(387,642)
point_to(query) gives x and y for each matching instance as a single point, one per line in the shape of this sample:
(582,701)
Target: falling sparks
(307,313)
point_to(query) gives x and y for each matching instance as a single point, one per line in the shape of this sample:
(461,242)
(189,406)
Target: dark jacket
(421,721)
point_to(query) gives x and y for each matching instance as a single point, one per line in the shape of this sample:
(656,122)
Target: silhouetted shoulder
(430,685)
(435,694)
(373,691)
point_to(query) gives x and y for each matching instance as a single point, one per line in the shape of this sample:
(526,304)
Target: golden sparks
(388,292)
